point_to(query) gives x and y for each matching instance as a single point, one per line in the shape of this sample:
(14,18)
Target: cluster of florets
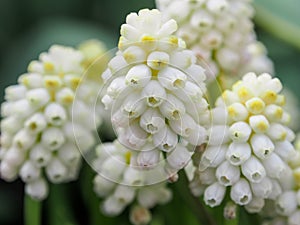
(286,209)
(46,122)
(249,145)
(121,182)
(156,91)
(221,33)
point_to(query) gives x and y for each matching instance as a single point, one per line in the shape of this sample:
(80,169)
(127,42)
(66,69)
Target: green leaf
(281,18)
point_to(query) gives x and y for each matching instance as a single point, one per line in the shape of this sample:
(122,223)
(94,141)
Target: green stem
(32,211)
(90,199)
(194,203)
(277,26)
(59,209)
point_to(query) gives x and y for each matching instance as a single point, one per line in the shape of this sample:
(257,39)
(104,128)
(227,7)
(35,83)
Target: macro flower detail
(46,121)
(155,91)
(253,146)
(221,33)
(121,183)
(287,205)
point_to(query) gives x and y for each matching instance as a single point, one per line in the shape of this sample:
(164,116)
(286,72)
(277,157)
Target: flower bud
(166,140)
(241,193)
(184,126)
(239,132)
(69,154)
(40,156)
(52,138)
(262,146)
(253,170)
(22,108)
(65,96)
(179,158)
(37,189)
(255,206)
(133,106)
(154,93)
(8,171)
(277,132)
(214,194)
(38,97)
(134,54)
(262,189)
(36,123)
(197,136)
(274,166)
(55,114)
(285,150)
(103,186)
(15,92)
(158,60)
(171,78)
(116,87)
(124,194)
(286,203)
(259,123)
(24,140)
(218,134)
(148,158)
(152,121)
(112,206)
(29,172)
(138,76)
(208,176)
(14,156)
(212,157)
(147,196)
(139,215)
(227,174)
(237,112)
(11,125)
(56,171)
(133,177)
(238,153)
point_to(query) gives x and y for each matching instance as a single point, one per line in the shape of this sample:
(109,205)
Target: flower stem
(194,203)
(32,211)
(90,199)
(59,209)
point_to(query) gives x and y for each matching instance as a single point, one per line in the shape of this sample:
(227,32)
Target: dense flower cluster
(46,121)
(121,182)
(287,205)
(221,33)
(249,145)
(155,91)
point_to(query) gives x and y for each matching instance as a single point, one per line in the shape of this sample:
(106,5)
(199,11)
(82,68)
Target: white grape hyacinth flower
(47,121)
(155,89)
(121,182)
(221,33)
(249,147)
(287,205)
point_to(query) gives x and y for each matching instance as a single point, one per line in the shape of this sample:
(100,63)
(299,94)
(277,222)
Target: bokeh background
(28,27)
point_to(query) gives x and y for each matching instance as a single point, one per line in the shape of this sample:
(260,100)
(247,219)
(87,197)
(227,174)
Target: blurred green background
(28,27)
